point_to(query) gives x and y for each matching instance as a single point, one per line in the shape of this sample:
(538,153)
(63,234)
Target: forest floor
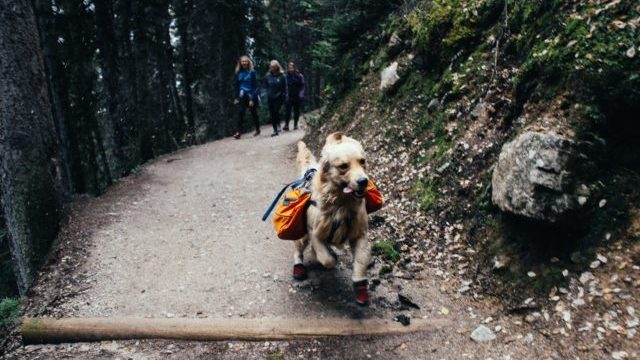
(183,238)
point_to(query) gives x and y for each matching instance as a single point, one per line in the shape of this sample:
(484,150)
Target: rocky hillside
(503,134)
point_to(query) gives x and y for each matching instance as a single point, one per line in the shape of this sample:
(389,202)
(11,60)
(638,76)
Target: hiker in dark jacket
(276,86)
(246,93)
(295,84)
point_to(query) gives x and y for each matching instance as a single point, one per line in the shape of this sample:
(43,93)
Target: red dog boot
(299,272)
(362,292)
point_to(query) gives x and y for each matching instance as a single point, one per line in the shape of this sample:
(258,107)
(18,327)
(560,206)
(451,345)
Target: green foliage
(276,354)
(442,28)
(426,194)
(348,34)
(386,249)
(385,269)
(588,54)
(9,311)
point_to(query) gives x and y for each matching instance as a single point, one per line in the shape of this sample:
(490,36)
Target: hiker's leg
(242,107)
(273,114)
(296,113)
(278,107)
(254,115)
(287,114)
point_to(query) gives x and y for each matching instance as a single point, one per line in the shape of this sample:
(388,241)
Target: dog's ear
(335,138)
(326,165)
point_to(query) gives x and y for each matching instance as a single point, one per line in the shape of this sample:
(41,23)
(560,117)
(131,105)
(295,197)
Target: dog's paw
(361,289)
(299,272)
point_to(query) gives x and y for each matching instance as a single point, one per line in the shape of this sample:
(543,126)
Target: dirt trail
(184,239)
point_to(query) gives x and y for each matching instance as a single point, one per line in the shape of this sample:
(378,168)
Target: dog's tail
(304,159)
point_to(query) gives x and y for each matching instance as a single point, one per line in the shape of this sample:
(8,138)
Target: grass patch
(385,269)
(276,354)
(426,194)
(386,249)
(9,312)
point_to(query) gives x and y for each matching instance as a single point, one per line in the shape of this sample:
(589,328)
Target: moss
(386,249)
(442,28)
(426,194)
(587,55)
(276,354)
(9,311)
(385,269)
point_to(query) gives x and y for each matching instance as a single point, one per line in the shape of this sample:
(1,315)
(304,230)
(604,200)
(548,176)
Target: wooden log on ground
(52,331)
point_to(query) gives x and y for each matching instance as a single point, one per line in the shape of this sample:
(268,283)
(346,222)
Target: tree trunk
(183,11)
(29,181)
(108,54)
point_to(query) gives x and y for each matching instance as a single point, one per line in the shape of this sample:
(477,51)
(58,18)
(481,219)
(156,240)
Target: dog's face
(344,164)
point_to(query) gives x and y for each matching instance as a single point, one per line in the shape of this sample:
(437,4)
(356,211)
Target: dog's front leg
(319,244)
(361,251)
(361,258)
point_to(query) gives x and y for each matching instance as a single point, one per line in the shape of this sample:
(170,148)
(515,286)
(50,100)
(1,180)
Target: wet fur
(335,206)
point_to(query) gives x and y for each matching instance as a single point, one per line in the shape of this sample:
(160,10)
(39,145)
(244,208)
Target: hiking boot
(286,128)
(257,132)
(275,133)
(362,292)
(237,135)
(295,127)
(299,272)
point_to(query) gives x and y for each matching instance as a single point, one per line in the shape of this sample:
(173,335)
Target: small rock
(582,200)
(444,311)
(482,334)
(631,52)
(602,203)
(442,168)
(565,272)
(595,264)
(531,274)
(395,40)
(586,276)
(403,319)
(389,76)
(433,104)
(529,338)
(619,355)
(601,258)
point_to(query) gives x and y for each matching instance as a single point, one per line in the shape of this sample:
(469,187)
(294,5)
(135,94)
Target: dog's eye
(362,161)
(343,166)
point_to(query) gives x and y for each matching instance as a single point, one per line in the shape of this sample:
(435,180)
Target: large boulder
(532,177)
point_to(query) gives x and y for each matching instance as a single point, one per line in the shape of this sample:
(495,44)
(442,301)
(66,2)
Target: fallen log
(53,331)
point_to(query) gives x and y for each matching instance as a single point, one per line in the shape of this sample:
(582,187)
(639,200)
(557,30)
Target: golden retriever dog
(338,216)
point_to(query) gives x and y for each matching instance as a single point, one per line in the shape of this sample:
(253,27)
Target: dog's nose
(362,182)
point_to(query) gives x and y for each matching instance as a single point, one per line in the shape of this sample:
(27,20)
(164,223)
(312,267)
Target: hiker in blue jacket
(276,87)
(295,84)
(246,93)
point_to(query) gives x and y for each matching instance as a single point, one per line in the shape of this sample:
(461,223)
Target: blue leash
(308,175)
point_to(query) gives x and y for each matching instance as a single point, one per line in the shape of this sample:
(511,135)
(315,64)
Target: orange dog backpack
(289,219)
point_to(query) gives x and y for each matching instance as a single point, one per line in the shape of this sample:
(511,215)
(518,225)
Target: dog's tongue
(347,190)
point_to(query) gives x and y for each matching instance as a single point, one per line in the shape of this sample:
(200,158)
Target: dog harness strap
(308,175)
(275,201)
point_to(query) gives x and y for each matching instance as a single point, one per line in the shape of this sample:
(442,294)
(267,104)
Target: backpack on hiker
(290,217)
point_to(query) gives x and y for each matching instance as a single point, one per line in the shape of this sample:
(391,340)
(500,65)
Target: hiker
(295,84)
(276,87)
(246,93)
